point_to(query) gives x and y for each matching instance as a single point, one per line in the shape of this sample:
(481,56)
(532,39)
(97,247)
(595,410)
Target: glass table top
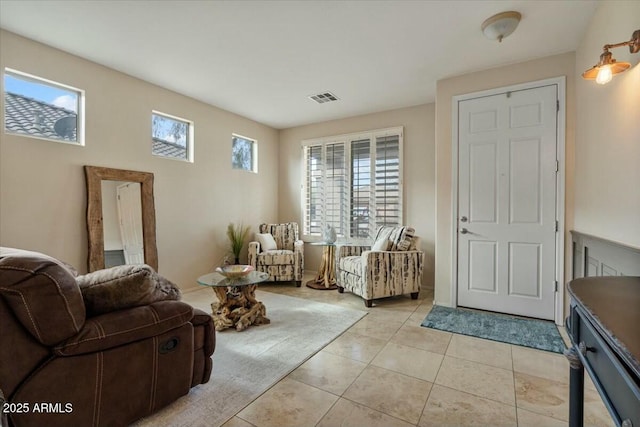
(218,280)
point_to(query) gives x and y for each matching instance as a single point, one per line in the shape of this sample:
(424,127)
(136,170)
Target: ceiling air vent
(321,98)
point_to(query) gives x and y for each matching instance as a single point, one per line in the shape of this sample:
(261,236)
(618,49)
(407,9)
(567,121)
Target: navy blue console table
(604,327)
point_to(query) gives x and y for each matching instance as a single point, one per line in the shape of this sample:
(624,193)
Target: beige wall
(539,69)
(418,168)
(607,191)
(42,188)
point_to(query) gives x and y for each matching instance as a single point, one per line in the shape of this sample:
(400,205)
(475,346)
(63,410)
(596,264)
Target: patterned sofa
(286,261)
(391,266)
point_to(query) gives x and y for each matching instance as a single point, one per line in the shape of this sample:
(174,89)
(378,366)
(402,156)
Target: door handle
(464,231)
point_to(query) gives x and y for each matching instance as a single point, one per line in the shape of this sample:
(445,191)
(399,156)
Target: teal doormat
(533,333)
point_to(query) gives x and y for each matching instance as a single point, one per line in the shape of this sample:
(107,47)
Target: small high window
(39,108)
(172,137)
(244,153)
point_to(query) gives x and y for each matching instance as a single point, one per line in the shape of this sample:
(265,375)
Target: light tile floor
(387,370)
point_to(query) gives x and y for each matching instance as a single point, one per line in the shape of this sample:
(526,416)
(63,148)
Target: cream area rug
(247,363)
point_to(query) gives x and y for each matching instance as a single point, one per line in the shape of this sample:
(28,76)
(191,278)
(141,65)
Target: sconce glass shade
(501,25)
(605,69)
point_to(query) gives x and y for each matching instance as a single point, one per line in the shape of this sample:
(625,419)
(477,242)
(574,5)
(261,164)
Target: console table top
(613,305)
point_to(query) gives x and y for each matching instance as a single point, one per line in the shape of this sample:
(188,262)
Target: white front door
(130,218)
(507,202)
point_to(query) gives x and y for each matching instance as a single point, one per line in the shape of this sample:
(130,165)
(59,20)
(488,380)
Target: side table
(326,279)
(237,305)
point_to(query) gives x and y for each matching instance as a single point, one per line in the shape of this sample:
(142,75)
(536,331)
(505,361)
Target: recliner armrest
(204,320)
(125,326)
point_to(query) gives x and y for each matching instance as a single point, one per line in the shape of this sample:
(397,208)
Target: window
(353,183)
(42,109)
(244,153)
(172,137)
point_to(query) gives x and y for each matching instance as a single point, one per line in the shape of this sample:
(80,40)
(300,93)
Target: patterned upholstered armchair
(282,256)
(391,266)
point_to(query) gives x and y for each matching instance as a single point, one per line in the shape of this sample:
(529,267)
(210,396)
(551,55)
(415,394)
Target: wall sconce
(604,70)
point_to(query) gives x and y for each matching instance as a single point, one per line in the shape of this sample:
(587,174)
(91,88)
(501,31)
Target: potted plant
(237,235)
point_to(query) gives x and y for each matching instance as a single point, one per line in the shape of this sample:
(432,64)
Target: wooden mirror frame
(95,231)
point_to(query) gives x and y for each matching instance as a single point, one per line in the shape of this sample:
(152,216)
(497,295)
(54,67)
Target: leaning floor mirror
(121,221)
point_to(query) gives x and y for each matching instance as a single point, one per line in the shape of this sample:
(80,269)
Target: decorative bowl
(234,271)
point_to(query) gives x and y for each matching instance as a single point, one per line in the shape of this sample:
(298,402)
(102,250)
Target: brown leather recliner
(59,367)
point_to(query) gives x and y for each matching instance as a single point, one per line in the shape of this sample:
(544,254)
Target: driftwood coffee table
(237,305)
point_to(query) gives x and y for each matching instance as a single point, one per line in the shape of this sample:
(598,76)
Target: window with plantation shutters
(360,199)
(314,189)
(335,187)
(326,188)
(387,181)
(353,183)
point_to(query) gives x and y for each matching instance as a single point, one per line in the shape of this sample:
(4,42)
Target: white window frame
(254,153)
(347,139)
(80,140)
(190,137)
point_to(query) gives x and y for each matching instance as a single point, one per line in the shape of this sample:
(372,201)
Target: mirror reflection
(122,223)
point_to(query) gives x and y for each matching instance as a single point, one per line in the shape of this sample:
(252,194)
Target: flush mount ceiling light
(607,67)
(501,25)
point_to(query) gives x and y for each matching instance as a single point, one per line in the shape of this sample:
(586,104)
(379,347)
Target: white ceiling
(261,59)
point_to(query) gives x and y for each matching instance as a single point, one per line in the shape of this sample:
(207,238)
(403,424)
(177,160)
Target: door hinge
(557,165)
(555,283)
(557,226)
(557,105)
